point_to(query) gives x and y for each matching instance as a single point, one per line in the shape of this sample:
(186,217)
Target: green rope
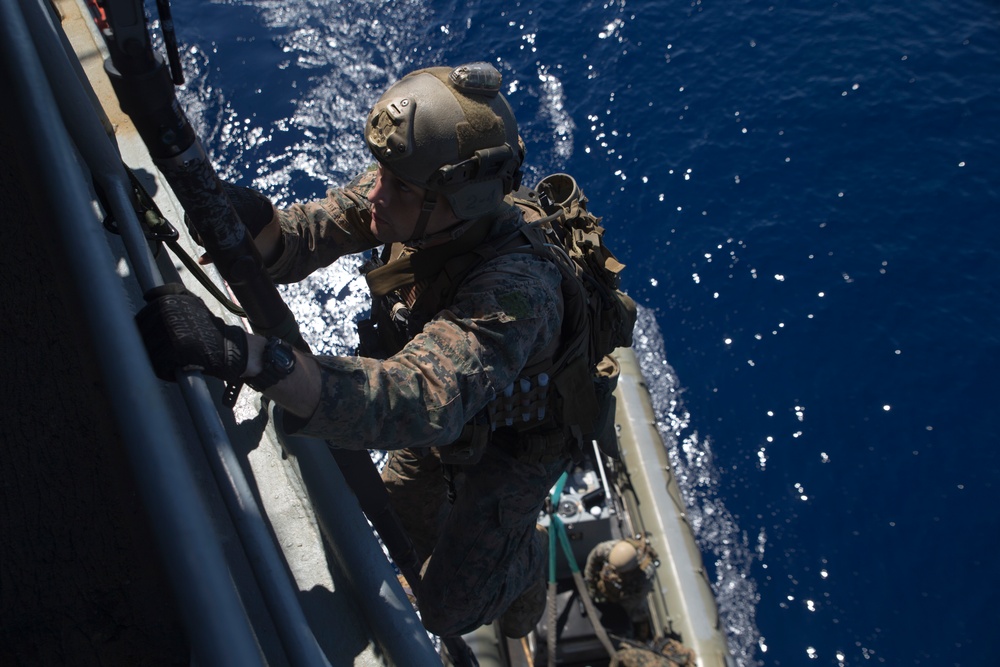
(557,532)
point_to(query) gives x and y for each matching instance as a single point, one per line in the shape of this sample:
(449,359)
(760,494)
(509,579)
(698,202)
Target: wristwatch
(279,362)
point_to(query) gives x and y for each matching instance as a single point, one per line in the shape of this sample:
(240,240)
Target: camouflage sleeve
(507,310)
(317,233)
(596,559)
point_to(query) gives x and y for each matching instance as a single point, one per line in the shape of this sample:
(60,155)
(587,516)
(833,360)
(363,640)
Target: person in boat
(622,572)
(440,363)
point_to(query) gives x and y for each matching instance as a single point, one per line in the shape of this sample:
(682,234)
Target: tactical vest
(558,397)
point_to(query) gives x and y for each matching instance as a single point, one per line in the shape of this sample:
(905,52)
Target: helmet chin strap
(420,239)
(430,201)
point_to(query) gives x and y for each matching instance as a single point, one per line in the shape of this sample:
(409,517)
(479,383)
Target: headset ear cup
(476,200)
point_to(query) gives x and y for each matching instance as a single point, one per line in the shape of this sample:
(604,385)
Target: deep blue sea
(807,196)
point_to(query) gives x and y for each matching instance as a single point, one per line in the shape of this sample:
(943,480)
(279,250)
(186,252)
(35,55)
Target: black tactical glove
(255,210)
(181,333)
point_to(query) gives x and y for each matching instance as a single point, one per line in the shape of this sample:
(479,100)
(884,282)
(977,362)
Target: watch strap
(272,371)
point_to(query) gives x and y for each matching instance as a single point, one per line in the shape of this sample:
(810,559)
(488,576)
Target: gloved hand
(181,333)
(255,210)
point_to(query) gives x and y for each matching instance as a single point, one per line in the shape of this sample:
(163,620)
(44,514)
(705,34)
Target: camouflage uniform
(480,552)
(671,654)
(627,589)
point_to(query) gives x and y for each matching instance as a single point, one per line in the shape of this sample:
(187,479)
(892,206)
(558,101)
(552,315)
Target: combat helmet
(623,557)
(452,133)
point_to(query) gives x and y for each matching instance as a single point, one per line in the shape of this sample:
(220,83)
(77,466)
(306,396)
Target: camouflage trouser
(664,653)
(480,552)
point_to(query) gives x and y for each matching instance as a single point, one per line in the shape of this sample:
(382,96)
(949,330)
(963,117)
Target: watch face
(282,357)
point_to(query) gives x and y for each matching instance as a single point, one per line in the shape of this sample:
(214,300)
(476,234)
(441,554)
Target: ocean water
(806,195)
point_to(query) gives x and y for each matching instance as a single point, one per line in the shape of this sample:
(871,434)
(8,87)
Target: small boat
(266,549)
(607,499)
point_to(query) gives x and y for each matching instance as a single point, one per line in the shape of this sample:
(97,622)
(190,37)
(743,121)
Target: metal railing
(61,122)
(216,623)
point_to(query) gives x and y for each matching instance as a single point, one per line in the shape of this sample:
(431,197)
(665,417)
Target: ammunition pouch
(533,424)
(522,405)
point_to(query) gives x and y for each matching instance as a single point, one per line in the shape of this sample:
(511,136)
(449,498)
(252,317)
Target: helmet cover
(452,132)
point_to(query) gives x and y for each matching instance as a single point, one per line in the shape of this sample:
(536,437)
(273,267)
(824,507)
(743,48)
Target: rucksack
(611,313)
(598,316)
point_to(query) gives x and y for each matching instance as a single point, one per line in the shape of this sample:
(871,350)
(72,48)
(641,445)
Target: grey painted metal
(358,554)
(91,139)
(102,157)
(690,603)
(216,621)
(217,626)
(269,567)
